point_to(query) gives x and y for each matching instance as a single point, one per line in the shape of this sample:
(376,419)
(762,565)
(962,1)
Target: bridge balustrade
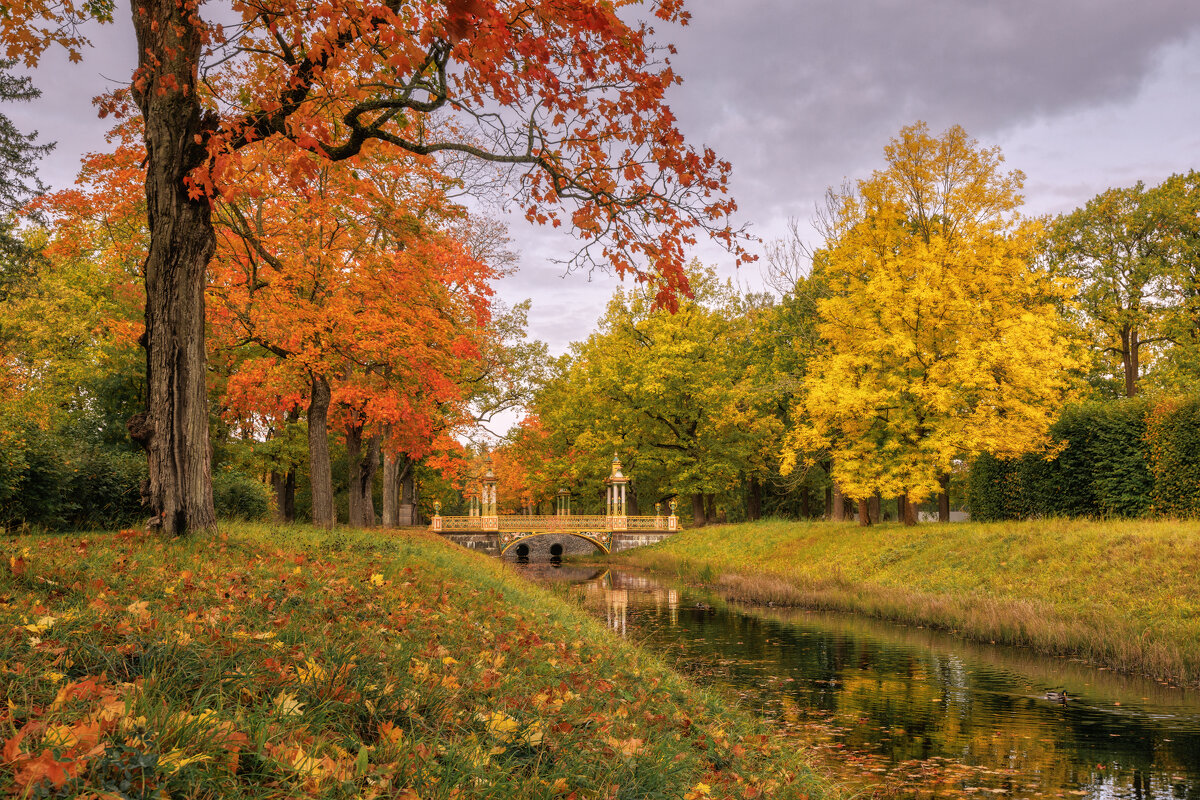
(545,524)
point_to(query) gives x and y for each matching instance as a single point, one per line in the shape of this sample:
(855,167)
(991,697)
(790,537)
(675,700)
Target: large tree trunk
(284,486)
(698,510)
(900,502)
(910,511)
(1132,373)
(864,512)
(363,464)
(875,508)
(839,505)
(1129,360)
(320,471)
(391,491)
(944,499)
(754,500)
(175,428)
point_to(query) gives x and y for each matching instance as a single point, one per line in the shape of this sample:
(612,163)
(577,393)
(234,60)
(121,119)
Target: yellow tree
(941,338)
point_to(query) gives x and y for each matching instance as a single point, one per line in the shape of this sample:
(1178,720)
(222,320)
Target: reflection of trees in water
(913,697)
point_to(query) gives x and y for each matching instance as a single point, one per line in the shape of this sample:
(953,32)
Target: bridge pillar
(617,484)
(490,516)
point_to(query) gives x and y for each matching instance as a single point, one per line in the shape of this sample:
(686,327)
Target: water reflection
(926,714)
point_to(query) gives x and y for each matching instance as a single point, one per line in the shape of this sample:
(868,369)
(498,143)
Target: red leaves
(460,16)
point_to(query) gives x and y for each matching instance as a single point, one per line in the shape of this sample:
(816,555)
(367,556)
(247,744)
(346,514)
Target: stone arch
(540,543)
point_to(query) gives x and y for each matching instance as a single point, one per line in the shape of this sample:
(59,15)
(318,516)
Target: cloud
(801,95)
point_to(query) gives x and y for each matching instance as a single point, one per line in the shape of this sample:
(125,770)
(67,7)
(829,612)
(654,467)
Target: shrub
(1100,467)
(1173,438)
(238,496)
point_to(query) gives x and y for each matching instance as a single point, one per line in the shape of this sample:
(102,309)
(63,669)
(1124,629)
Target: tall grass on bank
(271,662)
(1122,594)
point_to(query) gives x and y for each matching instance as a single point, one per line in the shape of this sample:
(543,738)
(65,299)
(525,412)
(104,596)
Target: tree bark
(900,502)
(910,511)
(1129,360)
(182,241)
(698,510)
(875,508)
(284,484)
(391,491)
(839,505)
(754,500)
(864,513)
(362,466)
(320,471)
(710,509)
(944,499)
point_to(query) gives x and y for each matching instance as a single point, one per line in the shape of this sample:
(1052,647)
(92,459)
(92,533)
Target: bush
(103,490)
(238,496)
(1100,467)
(1173,436)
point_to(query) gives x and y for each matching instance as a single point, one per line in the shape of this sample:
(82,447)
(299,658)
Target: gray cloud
(799,95)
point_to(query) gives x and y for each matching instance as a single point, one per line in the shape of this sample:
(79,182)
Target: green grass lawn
(289,662)
(1125,594)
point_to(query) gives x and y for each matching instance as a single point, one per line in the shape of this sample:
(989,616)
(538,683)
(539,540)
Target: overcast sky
(1080,94)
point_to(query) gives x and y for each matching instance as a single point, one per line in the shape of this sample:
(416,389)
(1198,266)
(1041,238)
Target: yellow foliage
(942,337)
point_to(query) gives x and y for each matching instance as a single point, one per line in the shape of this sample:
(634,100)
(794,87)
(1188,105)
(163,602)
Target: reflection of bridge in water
(613,531)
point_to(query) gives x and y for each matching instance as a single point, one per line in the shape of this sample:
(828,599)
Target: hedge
(1123,458)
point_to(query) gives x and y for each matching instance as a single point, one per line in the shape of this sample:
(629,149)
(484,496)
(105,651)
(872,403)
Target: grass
(1121,594)
(288,662)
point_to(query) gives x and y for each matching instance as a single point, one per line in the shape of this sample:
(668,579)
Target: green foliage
(691,400)
(1173,435)
(1098,466)
(239,497)
(54,481)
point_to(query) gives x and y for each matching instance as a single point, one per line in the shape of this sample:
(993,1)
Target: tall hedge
(1098,465)
(1173,436)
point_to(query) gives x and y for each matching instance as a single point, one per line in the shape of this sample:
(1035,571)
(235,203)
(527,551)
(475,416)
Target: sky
(799,95)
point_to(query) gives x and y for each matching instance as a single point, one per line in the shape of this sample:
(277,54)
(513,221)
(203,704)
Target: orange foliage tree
(563,94)
(354,287)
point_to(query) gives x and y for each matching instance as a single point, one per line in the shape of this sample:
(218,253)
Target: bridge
(613,531)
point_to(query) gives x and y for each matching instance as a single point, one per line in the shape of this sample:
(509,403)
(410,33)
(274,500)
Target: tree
(19,153)
(681,396)
(355,288)
(941,337)
(568,96)
(1114,248)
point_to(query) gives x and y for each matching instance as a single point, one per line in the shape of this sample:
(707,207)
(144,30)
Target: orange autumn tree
(352,289)
(566,95)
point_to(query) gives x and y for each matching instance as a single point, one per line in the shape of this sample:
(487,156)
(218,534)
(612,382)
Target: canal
(909,711)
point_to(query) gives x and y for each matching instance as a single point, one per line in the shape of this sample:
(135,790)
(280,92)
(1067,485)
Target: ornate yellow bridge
(598,529)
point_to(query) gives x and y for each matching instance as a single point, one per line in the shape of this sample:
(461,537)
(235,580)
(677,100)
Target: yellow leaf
(287,705)
(175,760)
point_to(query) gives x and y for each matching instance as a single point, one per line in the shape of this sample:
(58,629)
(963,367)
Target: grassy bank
(1122,594)
(290,662)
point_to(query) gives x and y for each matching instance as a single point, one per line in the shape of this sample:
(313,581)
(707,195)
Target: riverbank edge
(554,694)
(1109,641)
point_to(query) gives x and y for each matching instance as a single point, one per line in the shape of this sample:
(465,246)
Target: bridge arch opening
(551,547)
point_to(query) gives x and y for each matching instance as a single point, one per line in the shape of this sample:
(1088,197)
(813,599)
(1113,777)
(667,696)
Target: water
(919,713)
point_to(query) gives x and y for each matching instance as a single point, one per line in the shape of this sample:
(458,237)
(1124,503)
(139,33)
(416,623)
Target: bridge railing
(543,524)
